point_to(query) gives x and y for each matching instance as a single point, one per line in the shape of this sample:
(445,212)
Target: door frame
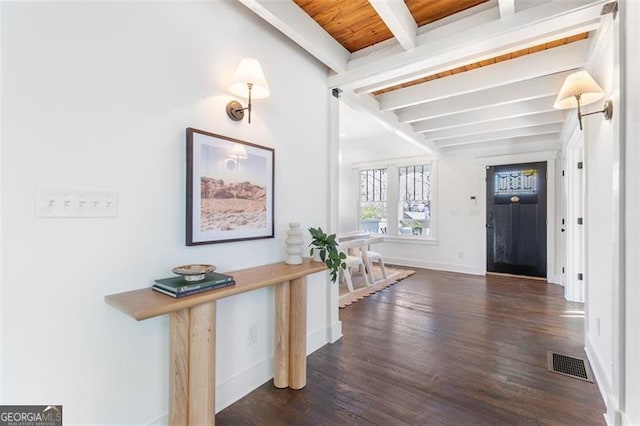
(512,225)
(574,256)
(550,157)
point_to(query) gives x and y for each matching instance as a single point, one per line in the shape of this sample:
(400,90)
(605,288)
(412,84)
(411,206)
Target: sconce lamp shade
(578,87)
(249,72)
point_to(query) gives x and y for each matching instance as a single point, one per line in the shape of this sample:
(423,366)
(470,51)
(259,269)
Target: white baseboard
(160,421)
(236,387)
(449,267)
(316,340)
(556,279)
(255,376)
(602,379)
(243,383)
(334,333)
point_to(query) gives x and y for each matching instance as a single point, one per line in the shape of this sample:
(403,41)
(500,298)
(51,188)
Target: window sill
(411,240)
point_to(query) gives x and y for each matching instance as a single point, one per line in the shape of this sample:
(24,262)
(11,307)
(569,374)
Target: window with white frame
(398,198)
(414,200)
(373,200)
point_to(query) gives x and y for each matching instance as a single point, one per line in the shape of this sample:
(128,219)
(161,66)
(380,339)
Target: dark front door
(517,219)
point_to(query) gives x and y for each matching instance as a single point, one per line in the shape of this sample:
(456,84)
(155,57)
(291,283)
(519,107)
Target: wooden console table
(192,334)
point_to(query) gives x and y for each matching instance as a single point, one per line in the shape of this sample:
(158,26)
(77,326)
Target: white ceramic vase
(316,255)
(294,244)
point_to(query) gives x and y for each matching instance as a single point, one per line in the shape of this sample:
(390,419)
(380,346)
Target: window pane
(373,200)
(516,182)
(414,209)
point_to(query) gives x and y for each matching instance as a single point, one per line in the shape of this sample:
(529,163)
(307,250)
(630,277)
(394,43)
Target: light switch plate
(68,203)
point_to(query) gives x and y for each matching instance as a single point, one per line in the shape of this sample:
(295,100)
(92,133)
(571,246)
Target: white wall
(370,148)
(457,222)
(600,206)
(459,243)
(460,227)
(98,96)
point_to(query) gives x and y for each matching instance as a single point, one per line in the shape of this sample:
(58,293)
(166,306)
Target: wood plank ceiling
(356,25)
(484,63)
(447,75)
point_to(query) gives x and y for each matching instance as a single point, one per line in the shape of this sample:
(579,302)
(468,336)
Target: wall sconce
(248,78)
(581,89)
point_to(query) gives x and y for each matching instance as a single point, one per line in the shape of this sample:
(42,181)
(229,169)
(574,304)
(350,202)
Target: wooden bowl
(194,272)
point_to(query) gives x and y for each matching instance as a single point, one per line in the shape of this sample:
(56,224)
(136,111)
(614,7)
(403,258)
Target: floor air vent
(570,366)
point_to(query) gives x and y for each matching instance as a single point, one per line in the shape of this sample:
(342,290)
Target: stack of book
(179,287)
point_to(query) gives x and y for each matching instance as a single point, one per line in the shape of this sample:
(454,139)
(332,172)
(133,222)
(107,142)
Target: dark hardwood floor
(440,348)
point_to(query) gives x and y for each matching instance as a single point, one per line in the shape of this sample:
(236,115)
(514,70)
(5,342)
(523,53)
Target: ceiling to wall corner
(446,75)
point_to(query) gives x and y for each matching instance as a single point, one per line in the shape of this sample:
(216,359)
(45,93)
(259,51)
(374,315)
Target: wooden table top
(146,303)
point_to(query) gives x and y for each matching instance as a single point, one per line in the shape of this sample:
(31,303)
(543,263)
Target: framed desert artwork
(229,189)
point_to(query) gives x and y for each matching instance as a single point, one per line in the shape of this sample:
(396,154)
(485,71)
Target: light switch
(57,202)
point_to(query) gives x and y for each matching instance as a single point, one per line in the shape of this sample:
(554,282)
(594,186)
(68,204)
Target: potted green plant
(326,247)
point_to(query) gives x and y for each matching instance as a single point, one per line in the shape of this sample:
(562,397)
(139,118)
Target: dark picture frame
(229,189)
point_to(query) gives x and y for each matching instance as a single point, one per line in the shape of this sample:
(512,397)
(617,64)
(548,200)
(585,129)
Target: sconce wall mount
(235,111)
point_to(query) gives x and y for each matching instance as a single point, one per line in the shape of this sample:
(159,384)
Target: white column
(630,128)
(393,198)
(334,325)
(618,234)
